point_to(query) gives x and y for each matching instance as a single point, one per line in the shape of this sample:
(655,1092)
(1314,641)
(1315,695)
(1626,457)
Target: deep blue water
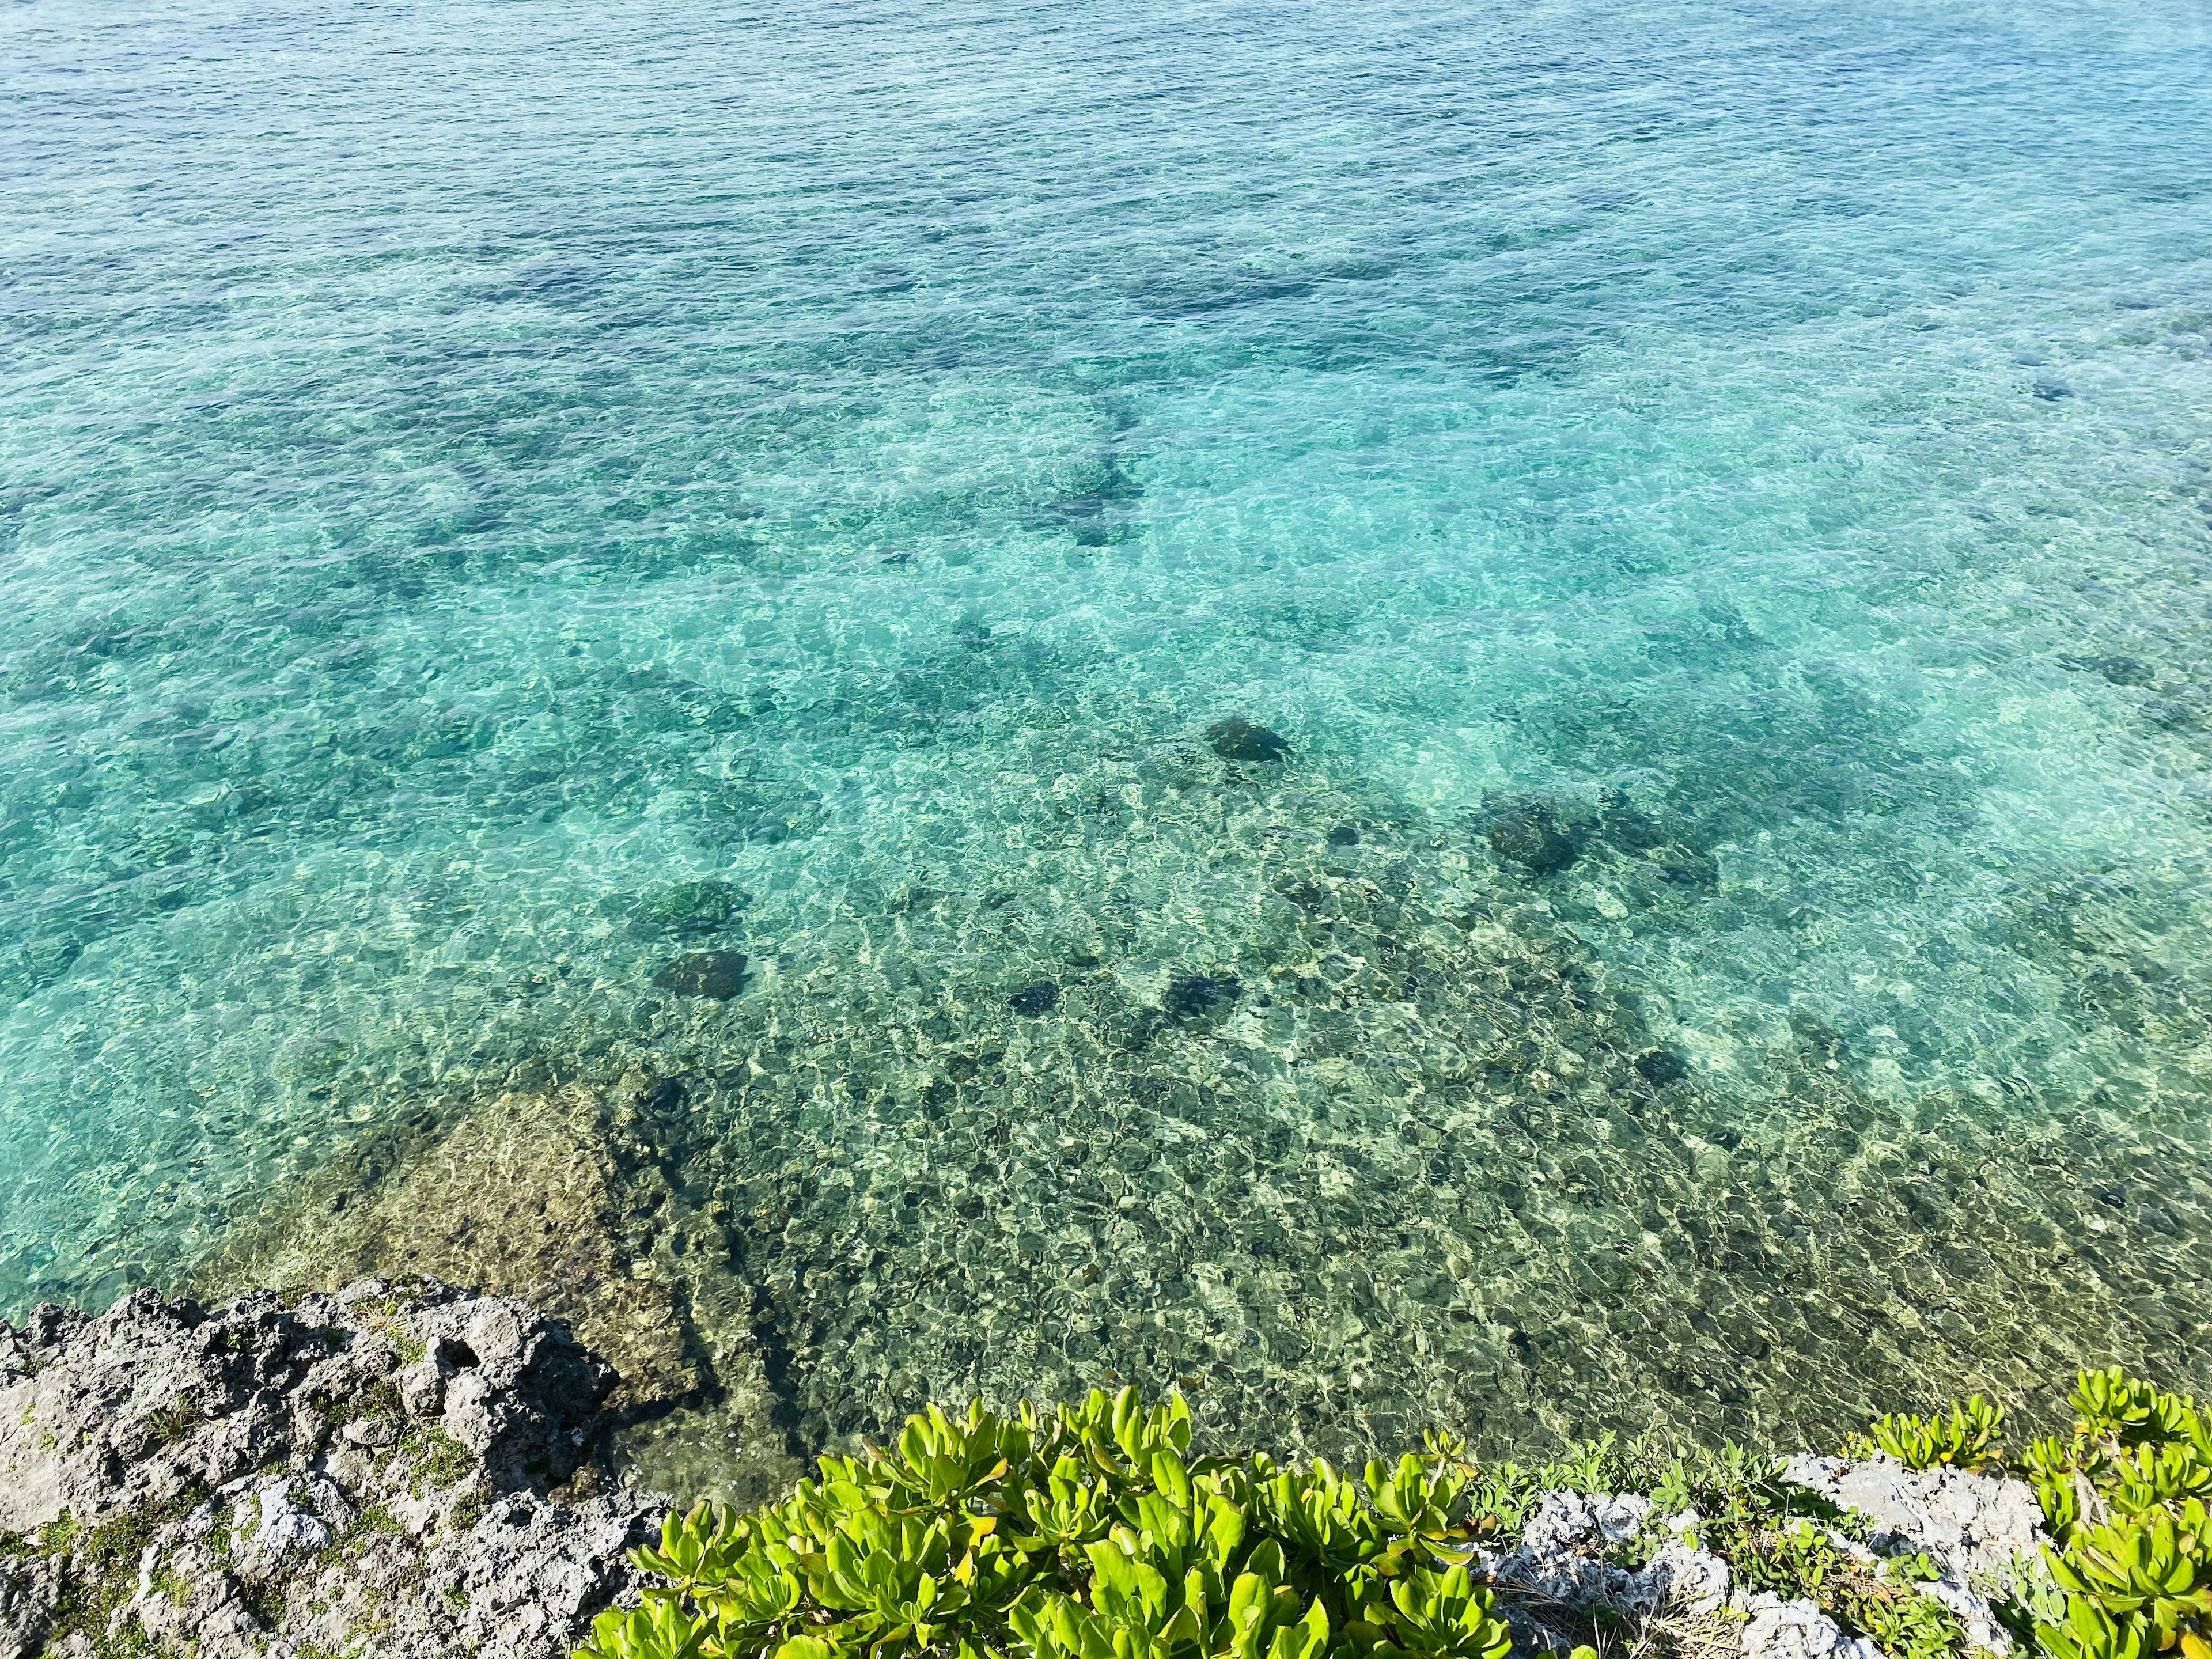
(465,468)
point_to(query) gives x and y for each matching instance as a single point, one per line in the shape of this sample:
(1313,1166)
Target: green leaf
(1170,1479)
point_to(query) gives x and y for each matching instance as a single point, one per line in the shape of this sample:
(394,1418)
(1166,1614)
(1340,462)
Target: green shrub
(1087,1532)
(175,1421)
(1967,1438)
(1083,1532)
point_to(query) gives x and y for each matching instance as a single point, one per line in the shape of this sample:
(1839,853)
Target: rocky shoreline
(418,1471)
(407,1474)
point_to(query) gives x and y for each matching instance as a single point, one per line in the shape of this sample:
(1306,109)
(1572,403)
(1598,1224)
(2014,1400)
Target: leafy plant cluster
(1781,1537)
(1968,1437)
(1087,1532)
(2123,1497)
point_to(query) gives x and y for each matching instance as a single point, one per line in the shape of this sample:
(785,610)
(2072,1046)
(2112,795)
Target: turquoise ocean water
(467,470)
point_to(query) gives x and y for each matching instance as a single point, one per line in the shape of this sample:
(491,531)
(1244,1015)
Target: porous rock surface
(370,1470)
(1560,1558)
(1974,1525)
(1797,1630)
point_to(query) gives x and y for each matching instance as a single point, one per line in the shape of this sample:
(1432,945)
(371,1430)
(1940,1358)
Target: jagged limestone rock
(1974,1525)
(404,1466)
(1558,1559)
(1798,1630)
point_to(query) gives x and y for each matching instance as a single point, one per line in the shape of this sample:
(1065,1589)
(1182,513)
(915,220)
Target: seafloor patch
(554,1198)
(1385,1146)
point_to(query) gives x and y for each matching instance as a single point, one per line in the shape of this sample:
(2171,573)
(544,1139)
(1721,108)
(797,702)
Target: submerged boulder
(1035,1002)
(1193,995)
(1528,835)
(1241,740)
(561,1199)
(685,910)
(524,1197)
(717,974)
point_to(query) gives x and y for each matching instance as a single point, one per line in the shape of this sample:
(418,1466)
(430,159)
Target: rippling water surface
(495,499)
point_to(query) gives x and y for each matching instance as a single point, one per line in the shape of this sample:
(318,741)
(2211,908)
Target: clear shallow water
(466,469)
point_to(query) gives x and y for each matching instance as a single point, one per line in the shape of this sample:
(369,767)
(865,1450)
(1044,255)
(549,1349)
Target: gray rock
(423,1386)
(1557,1558)
(273,1478)
(1563,1519)
(1798,1630)
(278,1519)
(686,909)
(537,1574)
(1528,835)
(1696,1580)
(717,974)
(30,1595)
(1973,1611)
(1974,1525)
